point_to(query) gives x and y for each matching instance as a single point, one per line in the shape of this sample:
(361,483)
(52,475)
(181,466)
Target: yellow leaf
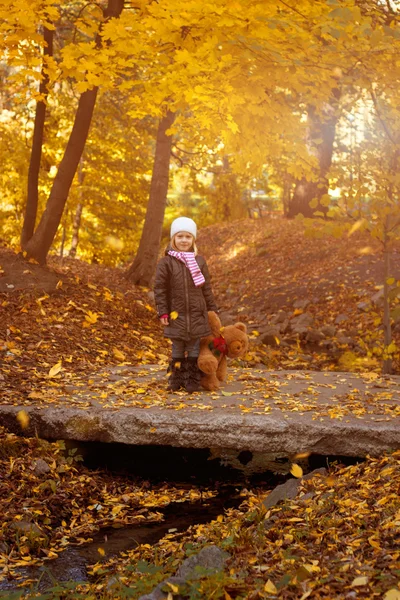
(270,587)
(296,471)
(390,280)
(118,354)
(140,391)
(59,284)
(393,594)
(366,250)
(90,318)
(56,369)
(300,455)
(173,587)
(23,418)
(356,227)
(362,580)
(373,542)
(101,551)
(174,315)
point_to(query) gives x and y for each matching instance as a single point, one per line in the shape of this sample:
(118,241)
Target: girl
(183,295)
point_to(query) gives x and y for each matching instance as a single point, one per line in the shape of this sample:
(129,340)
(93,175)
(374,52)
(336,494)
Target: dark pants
(191,348)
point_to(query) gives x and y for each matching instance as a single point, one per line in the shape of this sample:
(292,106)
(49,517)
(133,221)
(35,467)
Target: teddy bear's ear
(215,323)
(241,326)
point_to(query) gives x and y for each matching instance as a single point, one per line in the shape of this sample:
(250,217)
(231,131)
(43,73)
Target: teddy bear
(230,341)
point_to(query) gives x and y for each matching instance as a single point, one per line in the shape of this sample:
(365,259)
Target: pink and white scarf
(188,258)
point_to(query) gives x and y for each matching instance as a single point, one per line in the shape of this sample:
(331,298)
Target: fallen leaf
(23,418)
(296,471)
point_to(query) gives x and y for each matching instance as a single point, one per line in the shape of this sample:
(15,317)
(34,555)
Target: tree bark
(305,192)
(37,143)
(78,215)
(142,270)
(387,364)
(41,241)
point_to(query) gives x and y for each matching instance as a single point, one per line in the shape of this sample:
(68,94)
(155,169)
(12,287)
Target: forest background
(118,116)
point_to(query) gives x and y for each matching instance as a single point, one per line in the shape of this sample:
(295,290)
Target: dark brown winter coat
(175,292)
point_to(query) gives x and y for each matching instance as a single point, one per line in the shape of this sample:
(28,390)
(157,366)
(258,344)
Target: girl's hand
(164,320)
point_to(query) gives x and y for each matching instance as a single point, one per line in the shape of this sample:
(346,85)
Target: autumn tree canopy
(274,90)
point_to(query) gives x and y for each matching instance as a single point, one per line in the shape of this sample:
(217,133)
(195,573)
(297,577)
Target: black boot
(177,377)
(193,376)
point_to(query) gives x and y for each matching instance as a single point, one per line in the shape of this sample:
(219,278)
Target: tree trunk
(387,364)
(63,238)
(37,143)
(143,267)
(40,243)
(307,195)
(78,214)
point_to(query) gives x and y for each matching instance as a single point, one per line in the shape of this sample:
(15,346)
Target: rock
(41,467)
(377,299)
(364,306)
(328,344)
(314,335)
(345,341)
(301,303)
(271,337)
(280,317)
(262,252)
(289,489)
(320,472)
(328,330)
(285,491)
(210,557)
(341,318)
(27,527)
(284,326)
(226,318)
(301,323)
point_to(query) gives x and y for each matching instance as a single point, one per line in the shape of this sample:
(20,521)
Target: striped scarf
(188,258)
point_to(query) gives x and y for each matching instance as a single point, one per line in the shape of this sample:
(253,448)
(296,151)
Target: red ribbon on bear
(218,346)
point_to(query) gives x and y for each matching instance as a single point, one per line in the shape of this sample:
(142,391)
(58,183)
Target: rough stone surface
(285,491)
(290,489)
(328,330)
(314,335)
(279,412)
(210,557)
(41,467)
(271,337)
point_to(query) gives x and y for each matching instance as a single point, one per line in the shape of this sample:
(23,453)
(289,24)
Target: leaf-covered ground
(340,543)
(90,316)
(49,501)
(340,538)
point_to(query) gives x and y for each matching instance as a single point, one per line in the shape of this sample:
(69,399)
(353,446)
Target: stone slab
(279,412)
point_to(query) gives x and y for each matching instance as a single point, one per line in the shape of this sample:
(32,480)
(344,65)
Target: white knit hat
(183,224)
